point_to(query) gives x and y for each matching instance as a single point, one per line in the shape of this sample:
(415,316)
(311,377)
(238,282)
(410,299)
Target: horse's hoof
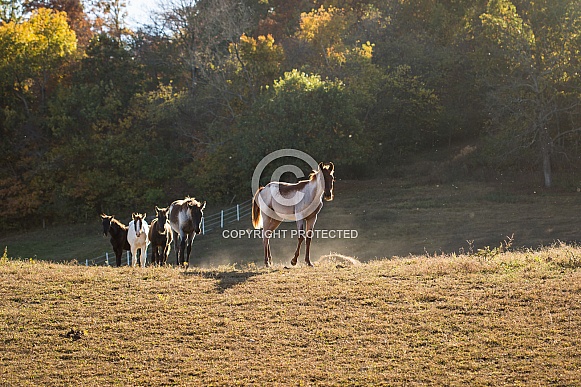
(309,264)
(293,262)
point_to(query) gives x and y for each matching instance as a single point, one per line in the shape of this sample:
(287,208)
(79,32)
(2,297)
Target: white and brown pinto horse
(137,236)
(300,202)
(185,217)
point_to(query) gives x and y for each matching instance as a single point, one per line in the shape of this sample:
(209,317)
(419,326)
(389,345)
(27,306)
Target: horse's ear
(103,216)
(133,215)
(331,166)
(203,205)
(156,209)
(321,165)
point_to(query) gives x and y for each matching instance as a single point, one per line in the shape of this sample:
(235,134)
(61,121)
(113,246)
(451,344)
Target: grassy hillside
(491,318)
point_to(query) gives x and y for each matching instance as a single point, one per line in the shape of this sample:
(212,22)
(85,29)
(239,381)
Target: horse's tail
(256,216)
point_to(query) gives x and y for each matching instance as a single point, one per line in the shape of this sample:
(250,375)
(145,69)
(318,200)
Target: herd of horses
(181,220)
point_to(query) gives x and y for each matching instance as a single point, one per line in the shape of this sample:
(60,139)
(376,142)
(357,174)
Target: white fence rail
(210,223)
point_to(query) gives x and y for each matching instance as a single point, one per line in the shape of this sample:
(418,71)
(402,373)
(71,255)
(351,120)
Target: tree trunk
(546,149)
(548,174)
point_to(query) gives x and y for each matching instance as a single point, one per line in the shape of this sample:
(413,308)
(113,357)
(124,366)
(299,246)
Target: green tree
(533,75)
(32,55)
(95,141)
(405,116)
(304,112)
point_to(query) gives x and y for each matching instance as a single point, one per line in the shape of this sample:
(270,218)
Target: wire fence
(212,222)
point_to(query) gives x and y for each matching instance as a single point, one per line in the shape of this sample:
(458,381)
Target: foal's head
(138,223)
(161,214)
(106,223)
(328,171)
(196,209)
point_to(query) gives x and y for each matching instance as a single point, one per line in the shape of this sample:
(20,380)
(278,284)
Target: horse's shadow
(225,279)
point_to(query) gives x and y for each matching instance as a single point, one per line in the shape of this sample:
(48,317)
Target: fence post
(87,262)
(107,258)
(222,219)
(128,259)
(203,227)
(238,212)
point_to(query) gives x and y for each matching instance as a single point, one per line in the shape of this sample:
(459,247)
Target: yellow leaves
(262,56)
(325,26)
(325,30)
(263,47)
(46,32)
(37,44)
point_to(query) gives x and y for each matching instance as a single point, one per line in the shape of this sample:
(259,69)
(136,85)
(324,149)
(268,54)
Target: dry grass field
(484,319)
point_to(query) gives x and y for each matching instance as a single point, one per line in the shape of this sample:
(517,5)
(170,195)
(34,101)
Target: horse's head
(197,212)
(106,223)
(138,223)
(161,214)
(328,171)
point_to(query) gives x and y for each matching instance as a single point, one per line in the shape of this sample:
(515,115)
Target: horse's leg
(301,231)
(269,225)
(175,241)
(269,254)
(266,246)
(118,253)
(133,255)
(144,254)
(166,248)
(182,249)
(309,230)
(189,244)
(265,238)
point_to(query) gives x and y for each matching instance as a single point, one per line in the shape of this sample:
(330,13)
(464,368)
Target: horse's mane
(313,172)
(118,223)
(193,201)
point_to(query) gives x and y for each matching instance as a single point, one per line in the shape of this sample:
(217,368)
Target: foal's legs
(166,250)
(153,254)
(118,254)
(133,255)
(143,256)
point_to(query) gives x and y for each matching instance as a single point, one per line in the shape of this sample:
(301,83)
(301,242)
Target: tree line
(97,116)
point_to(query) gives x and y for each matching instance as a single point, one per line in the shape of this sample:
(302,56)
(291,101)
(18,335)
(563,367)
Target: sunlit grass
(510,317)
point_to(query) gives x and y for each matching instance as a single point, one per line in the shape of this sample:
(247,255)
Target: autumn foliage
(97,116)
